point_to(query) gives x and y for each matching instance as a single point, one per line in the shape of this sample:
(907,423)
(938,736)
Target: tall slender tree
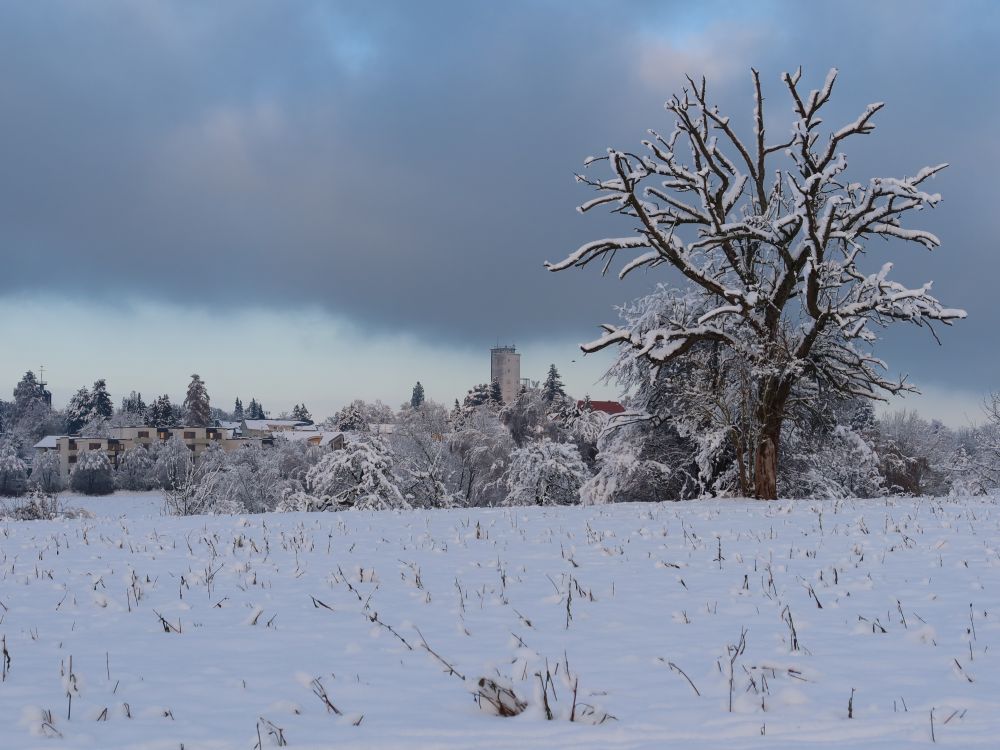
(553,388)
(417,397)
(197,409)
(101,405)
(238,410)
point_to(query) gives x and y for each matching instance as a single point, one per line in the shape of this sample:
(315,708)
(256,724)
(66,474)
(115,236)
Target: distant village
(94,426)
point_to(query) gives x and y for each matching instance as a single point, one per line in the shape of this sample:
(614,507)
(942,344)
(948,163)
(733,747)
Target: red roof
(608,407)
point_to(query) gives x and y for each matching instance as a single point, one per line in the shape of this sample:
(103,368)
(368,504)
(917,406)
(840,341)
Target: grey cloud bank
(409,166)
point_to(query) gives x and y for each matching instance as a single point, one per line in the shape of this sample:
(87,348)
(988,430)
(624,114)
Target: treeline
(544,448)
(91,412)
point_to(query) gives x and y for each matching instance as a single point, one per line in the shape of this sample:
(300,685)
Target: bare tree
(771,235)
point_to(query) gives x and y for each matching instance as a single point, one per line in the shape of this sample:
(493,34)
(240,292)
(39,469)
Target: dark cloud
(410,164)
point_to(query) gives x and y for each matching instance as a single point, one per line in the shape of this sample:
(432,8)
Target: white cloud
(952,406)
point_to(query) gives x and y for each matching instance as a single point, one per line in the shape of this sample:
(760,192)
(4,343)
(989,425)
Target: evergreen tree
(587,404)
(161,413)
(78,410)
(301,414)
(477,396)
(133,404)
(255,410)
(238,410)
(100,401)
(197,410)
(496,395)
(417,397)
(352,418)
(553,387)
(27,391)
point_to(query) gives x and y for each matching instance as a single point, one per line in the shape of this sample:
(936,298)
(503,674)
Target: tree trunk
(765,464)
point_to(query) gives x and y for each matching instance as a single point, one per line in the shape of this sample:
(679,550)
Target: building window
(72,459)
(189,436)
(144,433)
(72,445)
(191,447)
(94,446)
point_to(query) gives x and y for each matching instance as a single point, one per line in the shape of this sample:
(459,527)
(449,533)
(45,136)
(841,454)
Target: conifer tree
(417,397)
(238,410)
(161,413)
(255,410)
(477,396)
(100,401)
(553,387)
(301,414)
(133,404)
(27,391)
(78,410)
(197,410)
(496,395)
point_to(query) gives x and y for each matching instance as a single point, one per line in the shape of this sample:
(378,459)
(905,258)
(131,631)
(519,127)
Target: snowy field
(699,625)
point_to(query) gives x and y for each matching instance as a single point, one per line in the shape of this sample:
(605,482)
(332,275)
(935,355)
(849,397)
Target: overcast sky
(317,201)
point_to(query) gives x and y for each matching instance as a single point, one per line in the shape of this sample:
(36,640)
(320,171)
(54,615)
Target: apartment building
(197,439)
(120,439)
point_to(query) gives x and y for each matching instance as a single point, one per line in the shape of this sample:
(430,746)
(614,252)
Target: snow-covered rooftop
(325,436)
(49,441)
(270,424)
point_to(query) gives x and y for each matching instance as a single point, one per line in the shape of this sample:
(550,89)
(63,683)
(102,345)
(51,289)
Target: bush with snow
(13,472)
(545,473)
(360,476)
(135,469)
(46,472)
(92,474)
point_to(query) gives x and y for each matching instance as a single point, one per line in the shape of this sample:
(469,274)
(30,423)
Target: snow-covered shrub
(638,462)
(426,468)
(92,474)
(987,444)
(135,469)
(840,463)
(189,493)
(360,476)
(531,416)
(173,463)
(46,472)
(38,505)
(483,447)
(545,473)
(13,472)
(355,417)
(247,481)
(916,454)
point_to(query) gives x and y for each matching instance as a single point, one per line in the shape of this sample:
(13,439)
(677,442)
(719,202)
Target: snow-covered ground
(131,504)
(208,632)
